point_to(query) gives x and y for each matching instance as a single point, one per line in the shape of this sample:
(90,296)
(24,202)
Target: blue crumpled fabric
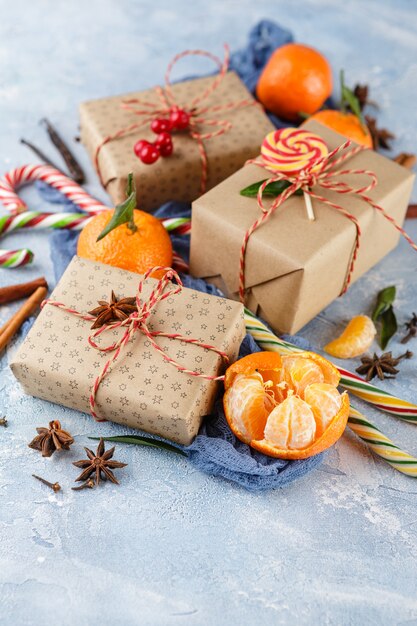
(215,450)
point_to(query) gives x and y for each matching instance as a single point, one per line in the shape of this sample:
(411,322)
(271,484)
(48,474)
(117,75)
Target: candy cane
(364,429)
(29,173)
(21,218)
(383,400)
(381,444)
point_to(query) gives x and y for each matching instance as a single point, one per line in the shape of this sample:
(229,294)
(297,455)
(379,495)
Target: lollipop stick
(309,207)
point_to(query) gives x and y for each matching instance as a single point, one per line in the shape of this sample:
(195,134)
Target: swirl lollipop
(292,150)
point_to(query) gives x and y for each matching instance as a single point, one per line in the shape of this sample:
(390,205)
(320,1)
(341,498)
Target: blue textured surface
(172,545)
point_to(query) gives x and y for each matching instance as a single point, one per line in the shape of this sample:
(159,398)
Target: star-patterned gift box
(141,390)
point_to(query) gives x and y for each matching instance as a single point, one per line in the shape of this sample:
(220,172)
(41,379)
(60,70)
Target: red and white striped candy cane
(26,174)
(22,218)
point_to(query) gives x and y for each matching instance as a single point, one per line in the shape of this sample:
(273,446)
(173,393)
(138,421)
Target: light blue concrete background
(171,545)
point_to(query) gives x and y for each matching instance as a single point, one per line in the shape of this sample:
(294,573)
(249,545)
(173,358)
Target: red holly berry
(180,119)
(139,145)
(164,143)
(161,125)
(147,152)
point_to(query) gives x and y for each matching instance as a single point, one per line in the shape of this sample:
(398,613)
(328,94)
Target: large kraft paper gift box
(296,267)
(177,177)
(142,390)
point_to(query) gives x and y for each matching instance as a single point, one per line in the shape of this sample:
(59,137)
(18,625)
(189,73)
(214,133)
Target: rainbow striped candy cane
(20,217)
(368,432)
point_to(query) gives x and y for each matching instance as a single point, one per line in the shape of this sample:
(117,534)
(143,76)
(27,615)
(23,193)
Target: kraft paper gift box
(177,177)
(296,267)
(142,390)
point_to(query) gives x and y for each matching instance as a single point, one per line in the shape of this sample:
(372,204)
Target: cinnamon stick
(25,311)
(3,328)
(23,290)
(411,211)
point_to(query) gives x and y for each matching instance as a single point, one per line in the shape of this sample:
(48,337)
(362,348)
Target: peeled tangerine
(287,407)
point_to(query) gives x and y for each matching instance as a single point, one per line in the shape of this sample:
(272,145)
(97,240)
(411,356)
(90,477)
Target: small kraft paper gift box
(62,357)
(219,126)
(286,267)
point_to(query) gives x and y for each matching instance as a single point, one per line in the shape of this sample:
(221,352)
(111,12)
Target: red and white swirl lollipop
(291,151)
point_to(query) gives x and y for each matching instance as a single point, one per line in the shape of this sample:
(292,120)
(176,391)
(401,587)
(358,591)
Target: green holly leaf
(273,189)
(139,440)
(384,300)
(384,313)
(388,327)
(123,213)
(348,99)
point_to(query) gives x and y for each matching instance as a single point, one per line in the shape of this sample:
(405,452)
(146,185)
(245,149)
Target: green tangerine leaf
(389,326)
(139,440)
(349,98)
(385,299)
(123,213)
(273,189)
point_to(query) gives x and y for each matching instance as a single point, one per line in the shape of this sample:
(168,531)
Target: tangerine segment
(354,340)
(291,425)
(325,401)
(299,372)
(305,368)
(332,433)
(249,404)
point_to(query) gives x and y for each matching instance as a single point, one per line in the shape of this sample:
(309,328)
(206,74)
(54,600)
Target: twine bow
(139,322)
(322,173)
(195,109)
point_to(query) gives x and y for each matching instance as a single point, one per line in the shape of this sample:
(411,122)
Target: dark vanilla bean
(74,167)
(39,153)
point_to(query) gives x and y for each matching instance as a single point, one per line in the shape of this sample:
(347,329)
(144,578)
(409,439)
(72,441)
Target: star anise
(411,326)
(362,94)
(113,311)
(48,440)
(406,159)
(383,366)
(100,464)
(381,137)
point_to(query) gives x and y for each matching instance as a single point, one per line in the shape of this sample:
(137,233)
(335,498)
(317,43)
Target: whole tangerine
(347,124)
(297,79)
(133,250)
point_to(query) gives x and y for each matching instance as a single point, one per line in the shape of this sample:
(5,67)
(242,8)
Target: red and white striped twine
(138,322)
(197,113)
(320,173)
